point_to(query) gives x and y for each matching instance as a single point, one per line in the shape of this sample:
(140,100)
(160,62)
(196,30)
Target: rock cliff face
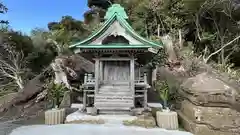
(209,104)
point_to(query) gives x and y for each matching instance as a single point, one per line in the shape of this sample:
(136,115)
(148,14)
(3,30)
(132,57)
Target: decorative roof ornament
(116,9)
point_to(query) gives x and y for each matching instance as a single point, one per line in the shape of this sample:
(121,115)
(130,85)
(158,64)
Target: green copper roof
(116,12)
(115,8)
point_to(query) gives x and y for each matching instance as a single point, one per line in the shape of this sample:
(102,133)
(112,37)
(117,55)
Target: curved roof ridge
(117,12)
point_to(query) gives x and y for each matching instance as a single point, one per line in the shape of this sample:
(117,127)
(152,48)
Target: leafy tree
(68,30)
(3,10)
(43,52)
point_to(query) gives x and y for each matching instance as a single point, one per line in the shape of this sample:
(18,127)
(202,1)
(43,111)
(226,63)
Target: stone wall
(208,105)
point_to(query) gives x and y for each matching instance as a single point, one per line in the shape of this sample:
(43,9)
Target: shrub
(163,89)
(56,93)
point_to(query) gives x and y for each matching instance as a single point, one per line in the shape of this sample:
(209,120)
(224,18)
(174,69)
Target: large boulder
(209,106)
(206,90)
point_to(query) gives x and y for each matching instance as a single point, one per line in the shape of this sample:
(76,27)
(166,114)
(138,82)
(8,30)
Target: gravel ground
(7,126)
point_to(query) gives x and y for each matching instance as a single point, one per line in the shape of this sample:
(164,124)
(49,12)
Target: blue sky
(25,15)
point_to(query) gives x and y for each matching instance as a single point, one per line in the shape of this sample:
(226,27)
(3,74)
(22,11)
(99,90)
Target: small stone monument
(54,116)
(167,119)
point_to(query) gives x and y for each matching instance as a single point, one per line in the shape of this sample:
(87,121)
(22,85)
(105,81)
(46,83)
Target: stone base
(199,129)
(54,116)
(167,120)
(217,117)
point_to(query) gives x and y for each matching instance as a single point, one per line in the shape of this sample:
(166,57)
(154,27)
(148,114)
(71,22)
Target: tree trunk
(60,75)
(167,40)
(180,39)
(222,53)
(31,89)
(20,83)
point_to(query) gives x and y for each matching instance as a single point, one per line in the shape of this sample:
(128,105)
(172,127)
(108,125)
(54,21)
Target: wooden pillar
(85,78)
(84,100)
(145,78)
(96,75)
(145,92)
(101,70)
(145,98)
(132,78)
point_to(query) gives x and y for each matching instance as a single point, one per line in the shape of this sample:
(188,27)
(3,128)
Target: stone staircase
(114,99)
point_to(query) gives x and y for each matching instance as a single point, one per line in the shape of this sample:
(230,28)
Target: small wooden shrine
(119,82)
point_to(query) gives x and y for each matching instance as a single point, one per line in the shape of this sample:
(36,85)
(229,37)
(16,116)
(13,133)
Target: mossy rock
(86,122)
(146,121)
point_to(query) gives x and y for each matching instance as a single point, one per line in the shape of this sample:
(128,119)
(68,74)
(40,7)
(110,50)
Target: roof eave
(108,22)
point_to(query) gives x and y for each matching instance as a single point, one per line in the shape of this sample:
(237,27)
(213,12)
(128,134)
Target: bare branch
(219,50)
(12,66)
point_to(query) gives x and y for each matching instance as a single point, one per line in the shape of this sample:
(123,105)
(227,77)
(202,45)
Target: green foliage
(163,89)
(230,70)
(159,59)
(56,93)
(17,41)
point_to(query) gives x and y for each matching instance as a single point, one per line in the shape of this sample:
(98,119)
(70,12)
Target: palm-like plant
(56,93)
(163,89)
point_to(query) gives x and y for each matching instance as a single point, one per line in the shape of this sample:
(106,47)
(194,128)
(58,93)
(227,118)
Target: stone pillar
(54,116)
(167,120)
(132,78)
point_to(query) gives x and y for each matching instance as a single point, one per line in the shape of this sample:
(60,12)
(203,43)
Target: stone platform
(80,117)
(91,129)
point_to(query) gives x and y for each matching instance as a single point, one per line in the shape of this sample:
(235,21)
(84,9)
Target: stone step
(110,108)
(113,105)
(115,112)
(113,87)
(114,100)
(114,90)
(116,94)
(119,97)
